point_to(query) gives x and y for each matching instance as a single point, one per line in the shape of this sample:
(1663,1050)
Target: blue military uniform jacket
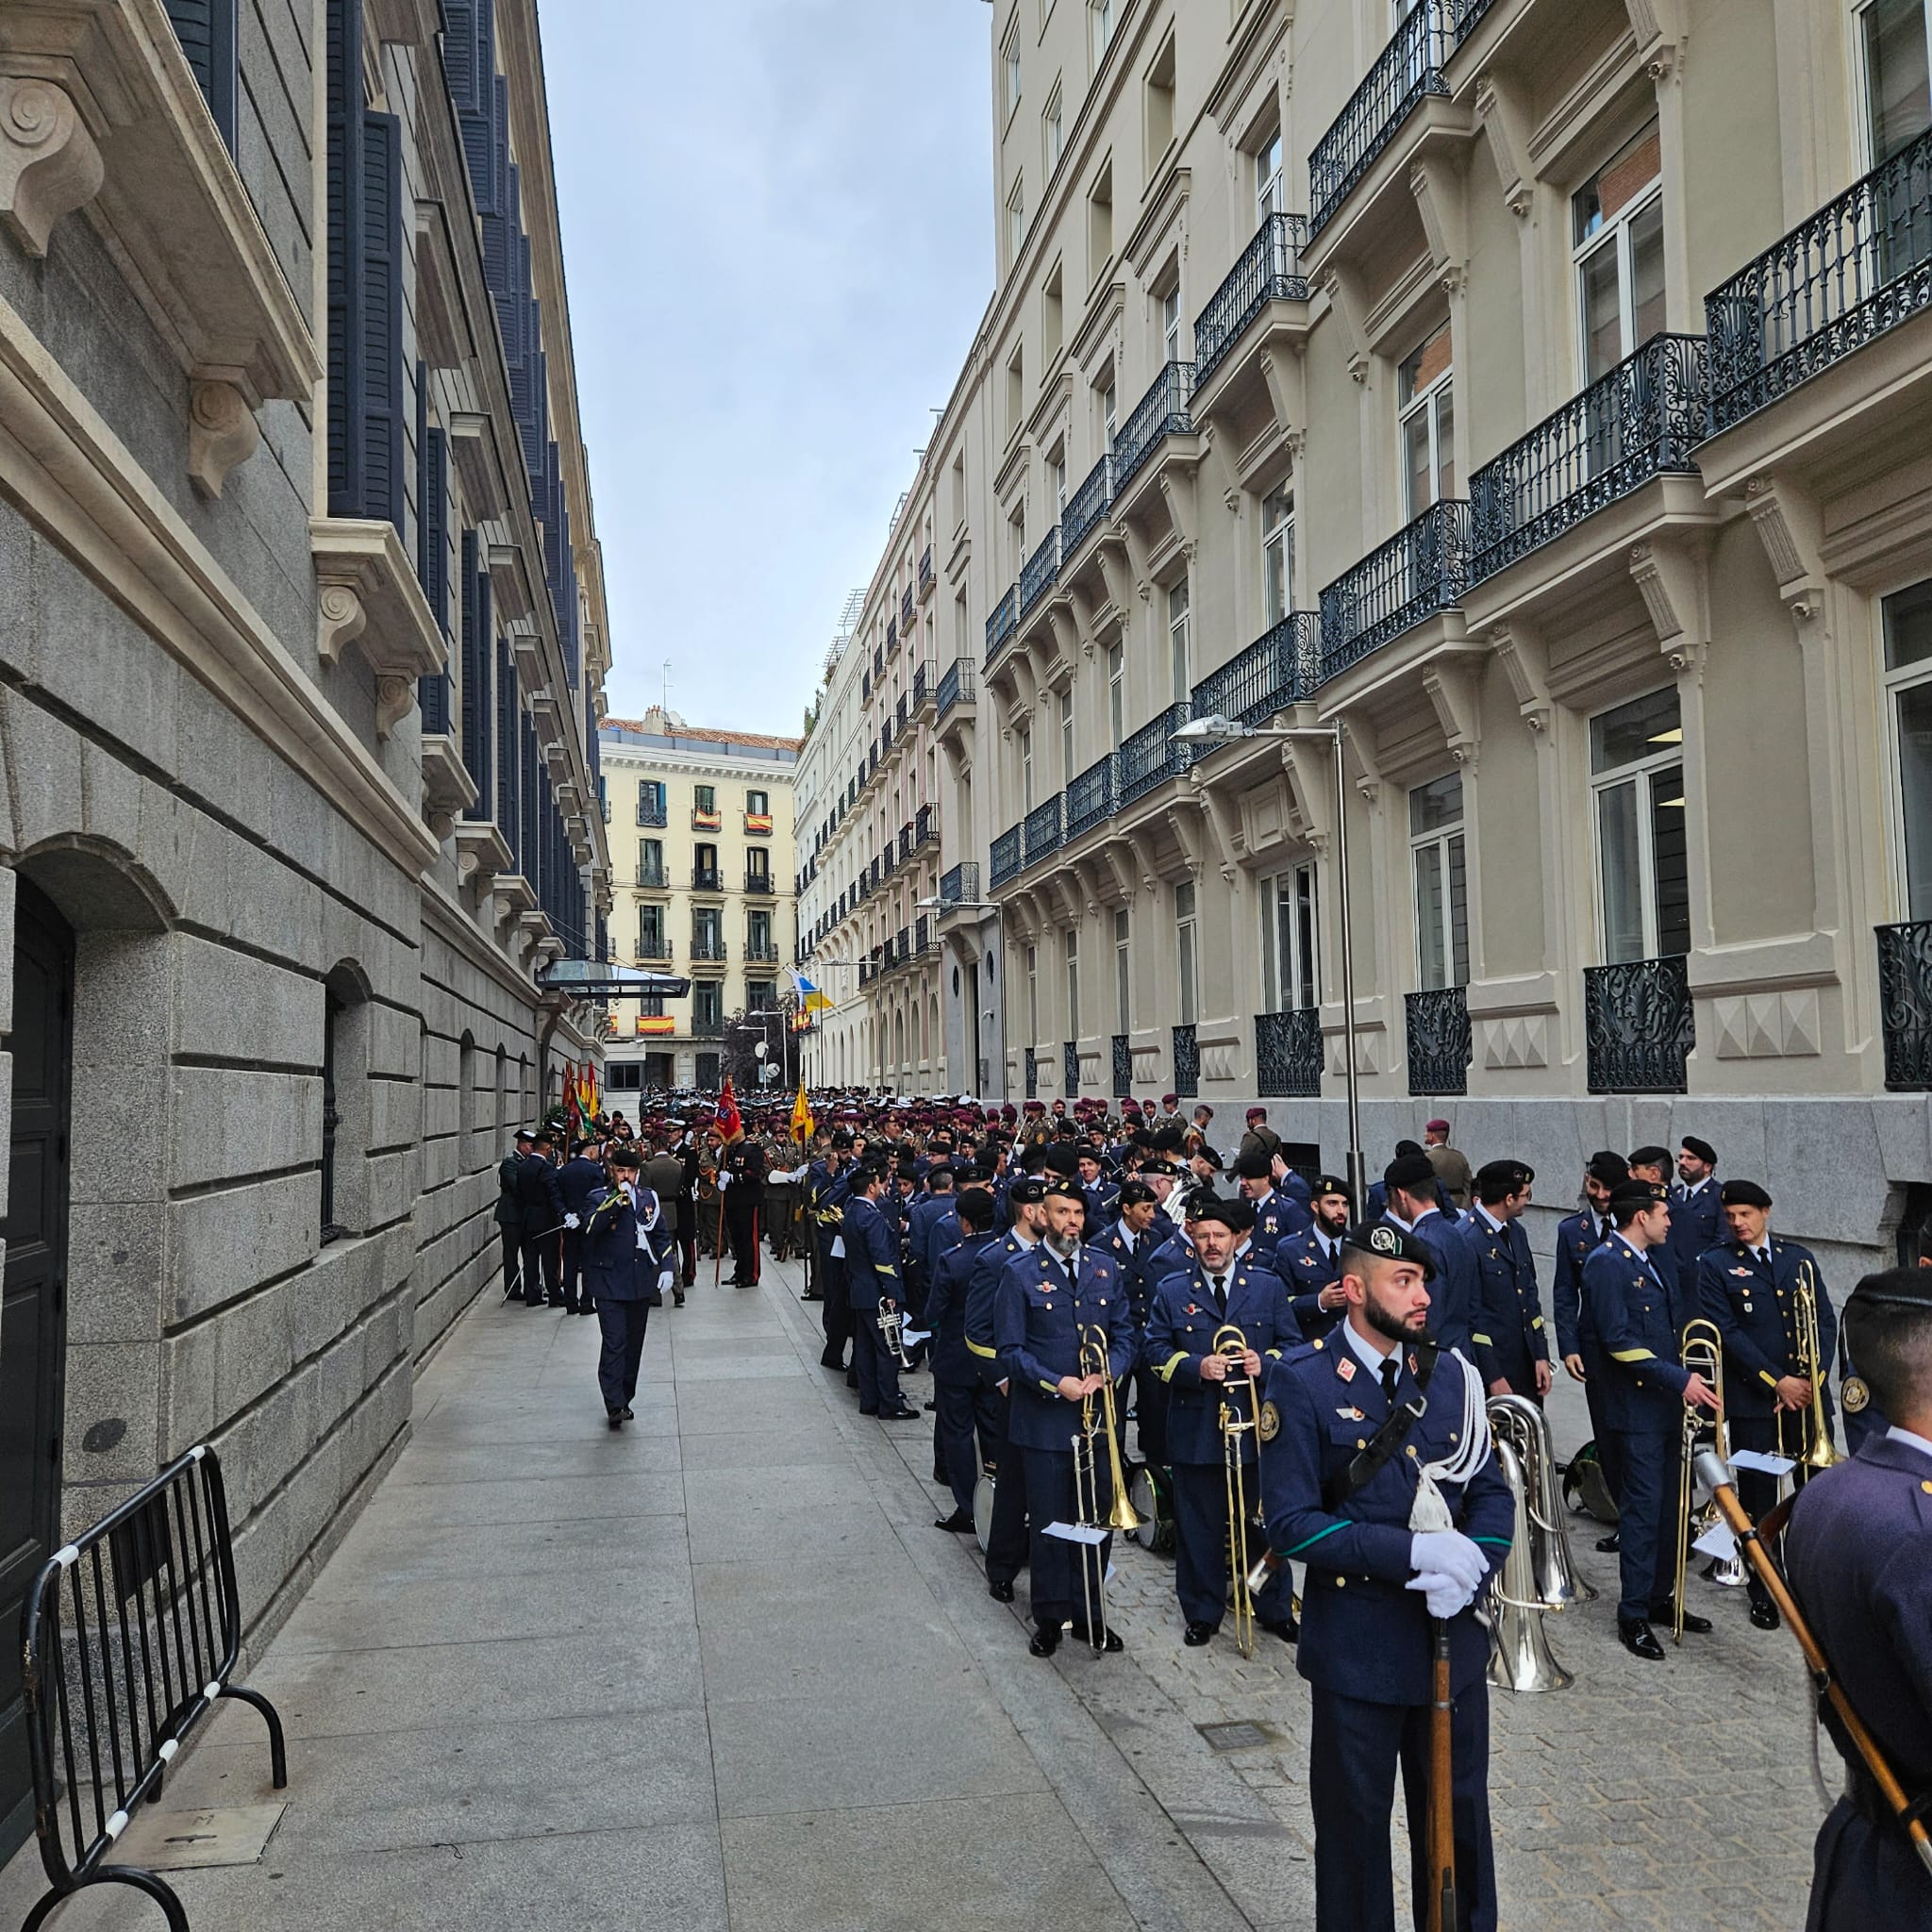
(577,1179)
(945,1310)
(1279,1217)
(1509,1334)
(1305,1268)
(1579,1236)
(615,1267)
(828,1193)
(927,1211)
(1039,1311)
(1454,1293)
(872,1253)
(1180,1333)
(1639,1332)
(982,1288)
(1365,1634)
(1755,1309)
(1699,1215)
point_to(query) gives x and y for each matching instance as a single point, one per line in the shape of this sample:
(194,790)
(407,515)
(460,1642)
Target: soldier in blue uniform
(1310,1264)
(540,1208)
(1579,1236)
(1695,1200)
(1133,1242)
(1223,1289)
(1348,1426)
(627,1257)
(873,1282)
(577,1179)
(1413,1195)
(1044,1300)
(827,1184)
(1859,1557)
(1511,1339)
(1645,1388)
(1278,1217)
(1748,1284)
(966,1420)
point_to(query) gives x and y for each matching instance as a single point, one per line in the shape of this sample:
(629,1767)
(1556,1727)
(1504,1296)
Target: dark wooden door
(31,1309)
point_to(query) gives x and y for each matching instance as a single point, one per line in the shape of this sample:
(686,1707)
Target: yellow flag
(803,1125)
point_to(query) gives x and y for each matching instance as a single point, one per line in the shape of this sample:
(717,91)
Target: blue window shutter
(382,317)
(527,802)
(346,257)
(477,658)
(508,753)
(205,29)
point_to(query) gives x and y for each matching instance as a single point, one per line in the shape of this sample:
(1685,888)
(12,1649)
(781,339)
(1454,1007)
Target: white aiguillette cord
(1429,1511)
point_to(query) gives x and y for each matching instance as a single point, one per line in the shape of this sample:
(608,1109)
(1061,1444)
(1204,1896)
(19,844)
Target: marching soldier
(742,1176)
(1751,1285)
(1348,1428)
(628,1257)
(1310,1264)
(1222,1290)
(1045,1301)
(1512,1343)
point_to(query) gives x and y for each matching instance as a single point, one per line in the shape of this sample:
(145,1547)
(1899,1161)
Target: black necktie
(1391,1370)
(1219,1295)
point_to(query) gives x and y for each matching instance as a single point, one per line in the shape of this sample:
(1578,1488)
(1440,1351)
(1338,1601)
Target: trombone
(1097,1414)
(1817,1452)
(1703,1355)
(1232,1346)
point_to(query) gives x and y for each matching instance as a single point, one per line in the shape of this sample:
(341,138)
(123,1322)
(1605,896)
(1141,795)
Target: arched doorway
(35,1229)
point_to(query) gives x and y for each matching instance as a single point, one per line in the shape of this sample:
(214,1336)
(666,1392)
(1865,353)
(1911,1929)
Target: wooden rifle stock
(1441,1901)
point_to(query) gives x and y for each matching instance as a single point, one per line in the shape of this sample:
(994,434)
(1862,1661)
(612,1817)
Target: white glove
(724,1181)
(664,1283)
(570,1221)
(1448,1552)
(1444,1594)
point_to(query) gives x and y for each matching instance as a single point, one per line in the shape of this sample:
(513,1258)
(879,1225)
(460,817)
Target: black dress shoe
(932,1408)
(627,1413)
(615,1417)
(1001,1593)
(677,1297)
(1196,1634)
(1694,1625)
(1110,1645)
(1639,1638)
(1045,1642)
(1610,1544)
(1765,1614)
(811,1294)
(851,1378)
(959,1519)
(1286,1628)
(832,1358)
(901,1414)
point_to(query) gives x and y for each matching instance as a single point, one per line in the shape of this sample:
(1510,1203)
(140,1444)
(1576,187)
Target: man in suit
(1309,1264)
(966,1420)
(540,1205)
(509,1212)
(1512,1342)
(1579,1236)
(577,1179)
(1222,1290)
(874,1284)
(626,1257)
(1411,1189)
(663,1174)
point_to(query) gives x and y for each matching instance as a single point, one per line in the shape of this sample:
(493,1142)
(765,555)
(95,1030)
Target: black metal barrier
(129,1634)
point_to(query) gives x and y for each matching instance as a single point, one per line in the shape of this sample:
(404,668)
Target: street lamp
(1214,730)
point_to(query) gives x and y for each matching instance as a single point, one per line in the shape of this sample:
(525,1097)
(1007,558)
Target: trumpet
(1097,1414)
(1703,1353)
(1231,1345)
(892,1329)
(1818,1451)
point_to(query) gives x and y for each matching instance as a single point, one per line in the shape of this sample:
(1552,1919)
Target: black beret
(1633,1197)
(1062,1190)
(1026,1190)
(1206,1153)
(1743,1195)
(1134,1193)
(1408,1147)
(1702,1149)
(1650,1157)
(1607,1170)
(1062,1157)
(1408,1170)
(1253,1166)
(1232,1214)
(1511,1176)
(623,1155)
(1896,1288)
(1330,1184)
(938,1169)
(1168,1139)
(1393,1243)
(841,1137)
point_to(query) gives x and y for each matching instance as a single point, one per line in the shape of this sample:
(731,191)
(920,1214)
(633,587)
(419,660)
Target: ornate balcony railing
(922,937)
(707,1028)
(1043,831)
(1288,1054)
(1091,797)
(886,737)
(892,636)
(1122,1066)
(761,953)
(1032,1074)
(1418,572)
(1153,755)
(1638,421)
(902,713)
(707,878)
(1638,1025)
(1268,270)
(1905,1004)
(1861,265)
(709,947)
(654,949)
(922,686)
(925,577)
(652,877)
(958,686)
(1279,669)
(1069,1068)
(1005,857)
(1004,621)
(905,612)
(1408,67)
(925,828)
(1038,577)
(1187,1062)
(959,884)
(757,879)
(1440,1046)
(1087,506)
(652,814)
(1162,412)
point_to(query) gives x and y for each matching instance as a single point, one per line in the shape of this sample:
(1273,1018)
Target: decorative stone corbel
(1187,837)
(1177,488)
(49,165)
(1118,859)
(342,618)
(1452,688)
(1223,821)
(222,432)
(1284,374)
(1499,110)
(1672,584)
(394,697)
(1346,299)
(1361,740)
(1215,445)
(1520,650)
(1437,193)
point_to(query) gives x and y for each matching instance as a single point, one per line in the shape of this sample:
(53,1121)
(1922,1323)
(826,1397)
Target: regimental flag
(810,1000)
(730,1127)
(803,1126)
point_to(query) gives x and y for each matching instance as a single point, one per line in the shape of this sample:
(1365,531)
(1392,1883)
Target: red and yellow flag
(730,1127)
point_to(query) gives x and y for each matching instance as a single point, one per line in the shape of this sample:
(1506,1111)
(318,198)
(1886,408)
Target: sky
(777,230)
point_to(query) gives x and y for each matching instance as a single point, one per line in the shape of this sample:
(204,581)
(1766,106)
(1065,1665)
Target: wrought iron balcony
(1005,857)
(905,844)
(707,878)
(959,884)
(1153,755)
(654,949)
(903,950)
(1162,412)
(892,640)
(1042,569)
(1279,669)
(652,814)
(905,613)
(1087,507)
(1288,1054)
(1070,1067)
(1004,621)
(925,828)
(1041,830)
(1406,71)
(1638,1025)
(1639,420)
(653,878)
(958,686)
(1032,1074)
(757,879)
(886,731)
(1187,1062)
(707,1028)
(1122,1066)
(902,712)
(925,577)
(703,821)
(1418,572)
(1440,1046)
(922,687)
(761,953)
(707,947)
(1091,797)
(1268,270)
(922,937)
(1856,268)
(1905,1004)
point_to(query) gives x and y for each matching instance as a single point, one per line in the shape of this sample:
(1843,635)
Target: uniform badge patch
(1854,1396)
(1268,1422)
(1345,1369)
(1349,1415)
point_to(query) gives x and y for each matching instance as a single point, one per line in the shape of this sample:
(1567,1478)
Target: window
(760,995)
(1033,992)
(1161,105)
(650,801)
(1425,393)
(1116,695)
(959,489)
(1016,541)
(1898,82)
(1072,946)
(1102,15)
(1268,199)
(1123,975)
(1010,65)
(651,863)
(1177,637)
(1291,967)
(705,933)
(651,933)
(759,804)
(1637,781)
(758,866)
(705,797)
(1100,224)
(707,1004)
(757,933)
(1171,324)
(1052,134)
(1617,222)
(1909,692)
(1277,556)
(1067,772)
(1052,317)
(1056,482)
(1016,395)
(1441,884)
(1184,935)
(1109,414)
(1016,220)
(1027,769)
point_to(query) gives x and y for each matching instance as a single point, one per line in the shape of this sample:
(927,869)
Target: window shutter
(382,316)
(508,753)
(477,663)
(527,851)
(205,29)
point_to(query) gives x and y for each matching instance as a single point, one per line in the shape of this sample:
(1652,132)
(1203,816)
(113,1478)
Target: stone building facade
(1535,394)
(700,825)
(302,640)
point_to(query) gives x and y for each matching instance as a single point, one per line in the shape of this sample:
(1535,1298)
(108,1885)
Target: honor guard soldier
(1512,1343)
(741,1174)
(966,1418)
(1695,1200)
(627,1258)
(1578,1237)
(577,1179)
(1376,1473)
(1645,1390)
(1414,1197)
(1278,1217)
(1859,1557)
(1221,1291)
(873,1283)
(509,1212)
(1309,1264)
(1755,1286)
(540,1211)
(1048,1302)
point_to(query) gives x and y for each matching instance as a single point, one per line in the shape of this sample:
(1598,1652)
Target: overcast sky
(778,237)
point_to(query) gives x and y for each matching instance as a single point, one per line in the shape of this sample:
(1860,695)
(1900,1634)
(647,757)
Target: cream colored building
(1536,390)
(701,844)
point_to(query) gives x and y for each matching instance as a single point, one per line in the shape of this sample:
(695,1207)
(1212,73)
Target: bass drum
(982,1510)
(1147,1491)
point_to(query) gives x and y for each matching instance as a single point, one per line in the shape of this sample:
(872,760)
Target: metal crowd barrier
(129,1635)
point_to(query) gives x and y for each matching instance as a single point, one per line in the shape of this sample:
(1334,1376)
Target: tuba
(1516,1420)
(1232,1346)
(1520,1658)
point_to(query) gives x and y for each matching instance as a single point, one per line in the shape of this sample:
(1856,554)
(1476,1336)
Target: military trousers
(1648,1523)
(1067,1577)
(1005,1542)
(966,1427)
(622,1326)
(1200,1524)
(877,1366)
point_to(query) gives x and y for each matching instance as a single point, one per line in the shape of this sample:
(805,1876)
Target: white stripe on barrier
(68,1556)
(117,1824)
(199,1450)
(168,1748)
(211,1691)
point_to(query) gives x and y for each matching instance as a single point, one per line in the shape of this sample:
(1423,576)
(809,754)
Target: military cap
(625,1155)
(1170,1100)
(1511,1176)
(1251,1166)
(1438,1126)
(1206,1153)
(1028,1188)
(1058,1189)
(1035,1107)
(1062,1159)
(1607,1170)
(1330,1184)
(1236,1213)
(1894,1288)
(1634,1197)
(522,1134)
(1408,1170)
(1702,1149)
(1743,1195)
(1393,1243)
(1168,1140)
(1009,1113)
(1650,1157)
(1166,1167)
(1133,1192)
(1258,1114)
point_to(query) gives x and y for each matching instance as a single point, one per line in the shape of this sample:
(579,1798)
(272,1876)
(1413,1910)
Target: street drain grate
(1239,1736)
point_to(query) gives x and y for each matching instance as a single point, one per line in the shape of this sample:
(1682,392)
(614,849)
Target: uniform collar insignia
(1344,1367)
(1350,1415)
(1411,1365)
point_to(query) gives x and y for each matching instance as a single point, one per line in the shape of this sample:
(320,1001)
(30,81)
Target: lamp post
(1216,730)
